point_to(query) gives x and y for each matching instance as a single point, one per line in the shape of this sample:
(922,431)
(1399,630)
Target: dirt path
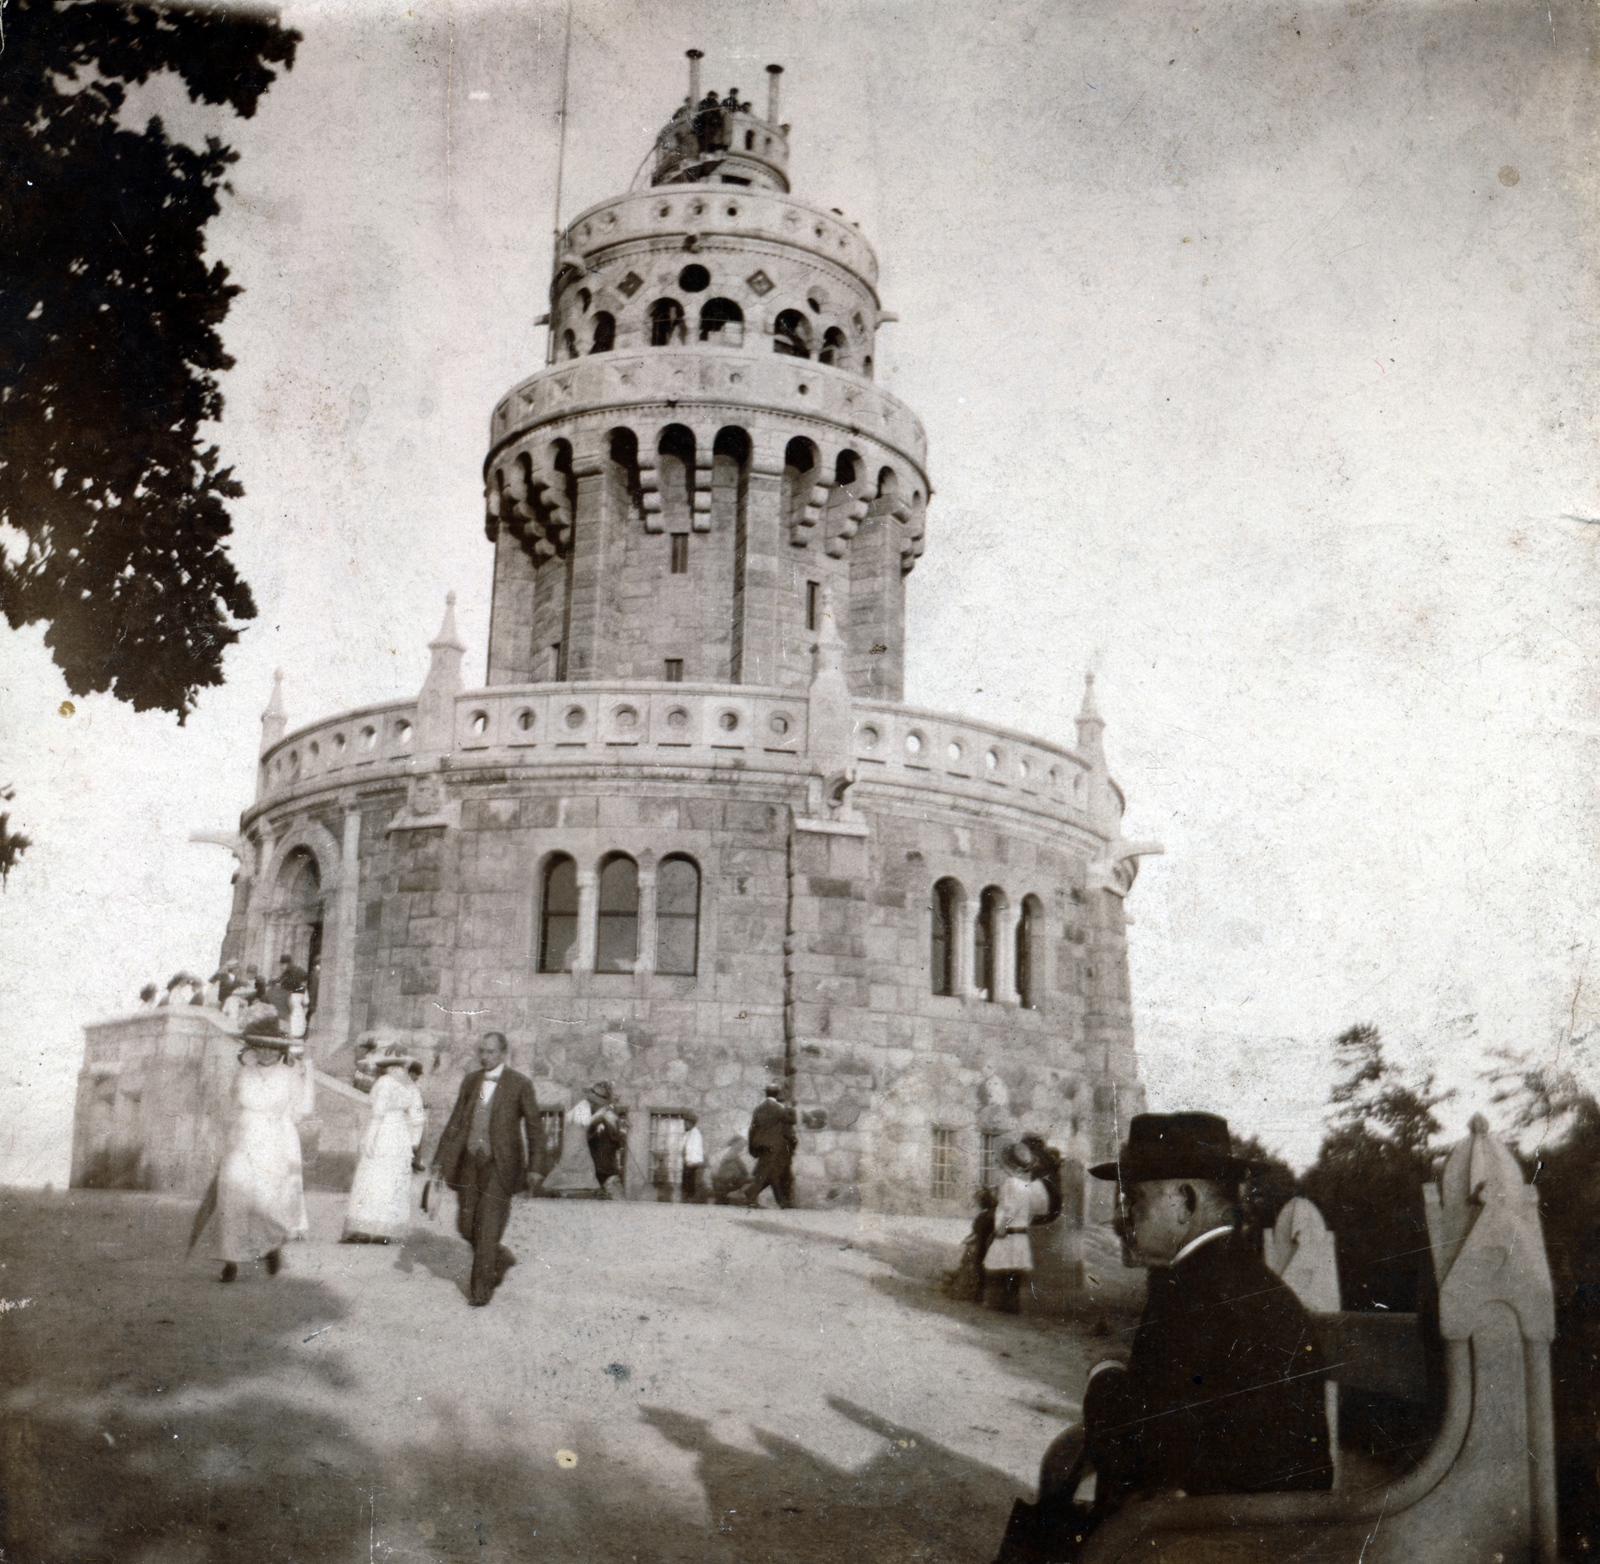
(651,1383)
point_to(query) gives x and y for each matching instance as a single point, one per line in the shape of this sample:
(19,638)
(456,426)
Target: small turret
(1091,726)
(436,702)
(273,719)
(712,140)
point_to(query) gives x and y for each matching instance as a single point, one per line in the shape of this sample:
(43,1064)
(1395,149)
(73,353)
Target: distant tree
(12,843)
(112,505)
(1270,1185)
(1369,1173)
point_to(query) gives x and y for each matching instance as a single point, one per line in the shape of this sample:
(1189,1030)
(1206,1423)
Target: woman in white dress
(380,1195)
(260,1199)
(1022,1197)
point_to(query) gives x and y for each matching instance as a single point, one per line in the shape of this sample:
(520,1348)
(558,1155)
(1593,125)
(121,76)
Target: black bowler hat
(1175,1145)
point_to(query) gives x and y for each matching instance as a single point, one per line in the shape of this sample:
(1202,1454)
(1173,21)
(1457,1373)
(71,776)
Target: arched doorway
(299,908)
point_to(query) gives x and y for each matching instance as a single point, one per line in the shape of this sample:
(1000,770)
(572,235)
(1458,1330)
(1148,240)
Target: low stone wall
(154,1102)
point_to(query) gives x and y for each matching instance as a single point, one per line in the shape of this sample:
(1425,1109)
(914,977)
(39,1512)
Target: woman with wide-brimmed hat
(260,1199)
(380,1193)
(606,1139)
(1022,1197)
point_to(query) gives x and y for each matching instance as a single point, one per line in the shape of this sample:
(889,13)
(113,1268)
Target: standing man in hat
(773,1137)
(493,1138)
(1222,1390)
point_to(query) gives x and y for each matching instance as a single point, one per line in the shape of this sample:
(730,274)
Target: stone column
(964,935)
(335,987)
(588,919)
(1004,934)
(759,633)
(586,654)
(646,961)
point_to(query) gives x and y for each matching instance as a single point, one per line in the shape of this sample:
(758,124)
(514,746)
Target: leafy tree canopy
(113,506)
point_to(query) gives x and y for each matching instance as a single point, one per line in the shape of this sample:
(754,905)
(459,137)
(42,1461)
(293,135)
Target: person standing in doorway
(694,1158)
(492,1140)
(606,1139)
(772,1139)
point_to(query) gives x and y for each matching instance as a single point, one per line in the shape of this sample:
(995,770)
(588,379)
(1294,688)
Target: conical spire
(436,702)
(273,719)
(1091,725)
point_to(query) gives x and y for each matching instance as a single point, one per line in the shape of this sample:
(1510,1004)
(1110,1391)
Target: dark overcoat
(1223,1392)
(513,1120)
(772,1129)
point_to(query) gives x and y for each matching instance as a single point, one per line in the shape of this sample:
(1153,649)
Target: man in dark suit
(493,1138)
(772,1140)
(1222,1391)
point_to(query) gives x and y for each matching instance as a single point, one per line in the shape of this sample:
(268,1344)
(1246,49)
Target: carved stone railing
(750,213)
(685,377)
(695,725)
(908,744)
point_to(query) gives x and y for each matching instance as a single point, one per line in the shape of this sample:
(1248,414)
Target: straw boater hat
(600,1092)
(1017,1157)
(383,1061)
(1175,1145)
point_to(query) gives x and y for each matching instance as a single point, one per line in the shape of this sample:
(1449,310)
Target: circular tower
(687,837)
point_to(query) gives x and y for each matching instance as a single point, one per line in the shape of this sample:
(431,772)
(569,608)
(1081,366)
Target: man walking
(493,1139)
(772,1140)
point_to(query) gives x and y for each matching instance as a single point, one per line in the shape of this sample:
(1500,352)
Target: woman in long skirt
(380,1195)
(1022,1197)
(260,1199)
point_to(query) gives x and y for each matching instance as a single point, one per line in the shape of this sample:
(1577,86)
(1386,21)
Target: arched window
(721,320)
(799,478)
(617,948)
(605,332)
(1029,927)
(569,343)
(585,298)
(749,141)
(666,323)
(835,347)
(986,940)
(558,915)
(942,948)
(866,366)
(791,335)
(678,917)
(300,904)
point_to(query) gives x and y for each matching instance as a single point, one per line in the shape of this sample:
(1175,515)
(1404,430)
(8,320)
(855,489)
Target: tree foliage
(112,501)
(1369,1173)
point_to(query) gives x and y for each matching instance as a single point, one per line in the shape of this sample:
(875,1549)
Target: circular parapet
(684,211)
(682,378)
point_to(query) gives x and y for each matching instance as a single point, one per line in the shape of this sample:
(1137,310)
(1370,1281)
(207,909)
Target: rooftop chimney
(773,73)
(695,57)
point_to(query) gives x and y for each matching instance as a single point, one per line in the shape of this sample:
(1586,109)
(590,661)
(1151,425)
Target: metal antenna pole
(561,145)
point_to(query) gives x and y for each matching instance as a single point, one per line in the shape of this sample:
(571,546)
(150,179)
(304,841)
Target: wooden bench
(1485,1491)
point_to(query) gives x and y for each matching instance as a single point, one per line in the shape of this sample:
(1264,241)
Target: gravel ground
(651,1383)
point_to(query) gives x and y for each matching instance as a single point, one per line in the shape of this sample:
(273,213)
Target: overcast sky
(1255,345)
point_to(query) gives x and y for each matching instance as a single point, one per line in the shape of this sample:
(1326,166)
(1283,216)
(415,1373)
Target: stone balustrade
(639,723)
(685,378)
(905,743)
(748,213)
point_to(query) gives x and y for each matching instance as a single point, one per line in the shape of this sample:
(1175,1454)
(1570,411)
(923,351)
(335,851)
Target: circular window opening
(728,721)
(480,722)
(813,303)
(664,210)
(805,390)
(626,717)
(315,750)
(991,761)
(694,279)
(402,731)
(869,738)
(294,762)
(339,741)
(677,718)
(733,211)
(779,723)
(524,721)
(696,208)
(369,737)
(954,751)
(913,743)
(574,717)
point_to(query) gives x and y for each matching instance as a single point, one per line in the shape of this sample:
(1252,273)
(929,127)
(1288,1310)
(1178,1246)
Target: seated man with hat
(1222,1390)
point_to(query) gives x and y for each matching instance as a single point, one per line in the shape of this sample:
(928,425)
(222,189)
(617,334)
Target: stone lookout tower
(687,837)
